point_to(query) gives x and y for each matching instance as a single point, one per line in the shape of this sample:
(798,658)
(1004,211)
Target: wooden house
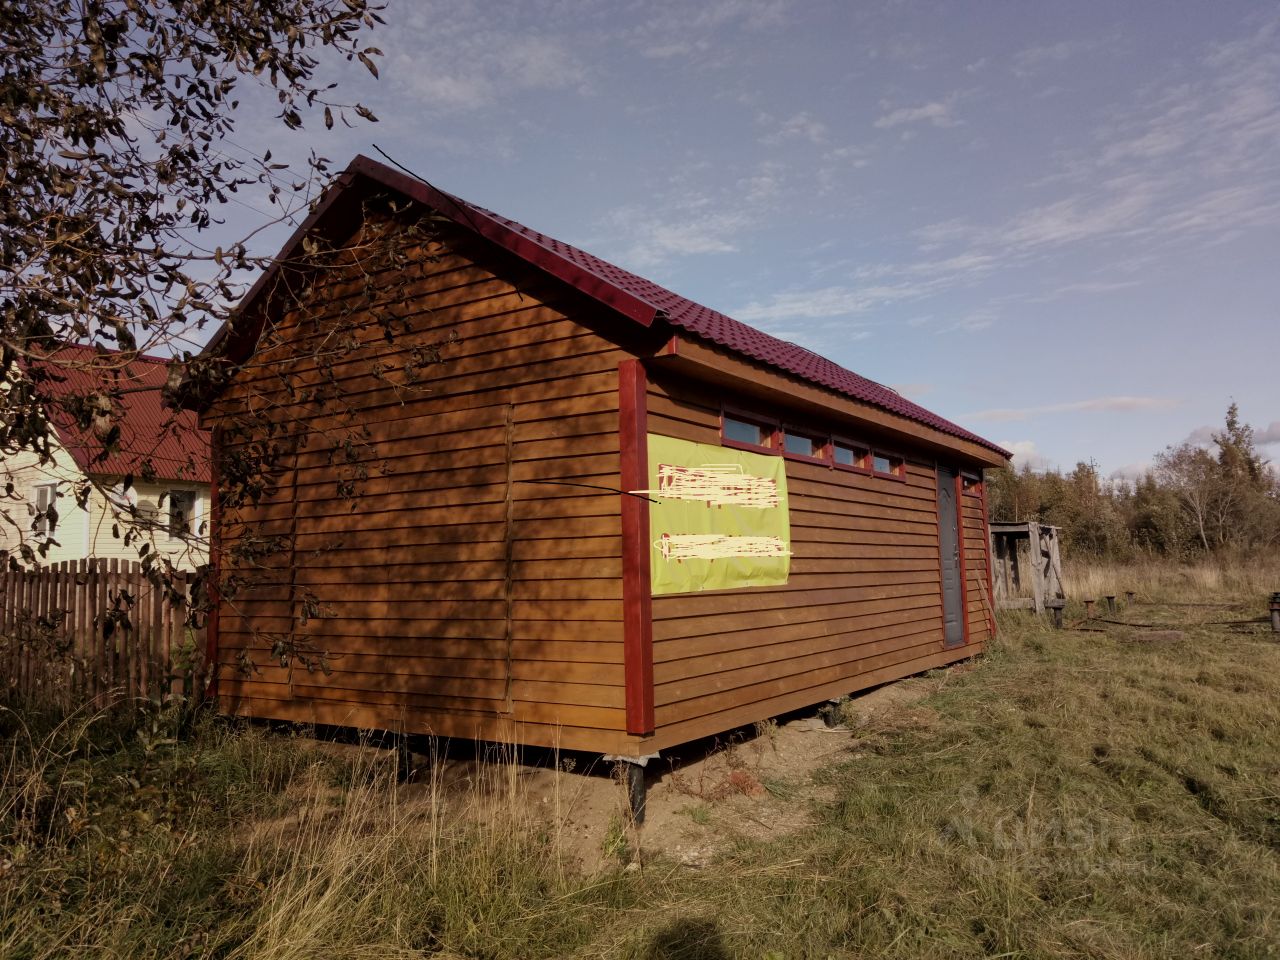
(571,508)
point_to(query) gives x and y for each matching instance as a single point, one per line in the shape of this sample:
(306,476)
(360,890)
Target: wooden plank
(800,641)
(683,731)
(794,672)
(459,726)
(574,715)
(478,568)
(761,599)
(101,642)
(785,659)
(730,697)
(720,622)
(381,663)
(448,691)
(356,646)
(484,327)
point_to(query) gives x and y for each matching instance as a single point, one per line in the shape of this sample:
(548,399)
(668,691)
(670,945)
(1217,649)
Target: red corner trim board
(637,596)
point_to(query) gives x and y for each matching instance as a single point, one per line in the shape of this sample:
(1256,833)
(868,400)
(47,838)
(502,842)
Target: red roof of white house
(631,295)
(170,439)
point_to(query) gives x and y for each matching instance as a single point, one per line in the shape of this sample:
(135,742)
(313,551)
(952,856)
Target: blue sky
(1056,223)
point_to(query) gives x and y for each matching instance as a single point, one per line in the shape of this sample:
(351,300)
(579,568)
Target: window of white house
(148,514)
(42,498)
(182,512)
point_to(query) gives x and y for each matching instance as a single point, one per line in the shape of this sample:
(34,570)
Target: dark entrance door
(949,541)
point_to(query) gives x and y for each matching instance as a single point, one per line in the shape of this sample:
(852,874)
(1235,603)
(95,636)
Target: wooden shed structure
(1027,565)
(571,508)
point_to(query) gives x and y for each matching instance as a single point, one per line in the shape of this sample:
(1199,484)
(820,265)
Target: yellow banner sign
(718,520)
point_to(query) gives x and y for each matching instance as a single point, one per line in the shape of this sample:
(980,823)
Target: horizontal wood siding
(862,605)
(407,587)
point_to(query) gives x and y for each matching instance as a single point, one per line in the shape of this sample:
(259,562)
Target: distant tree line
(1194,501)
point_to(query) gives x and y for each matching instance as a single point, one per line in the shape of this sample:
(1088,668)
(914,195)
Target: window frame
(190,519)
(40,522)
(770,424)
(899,474)
(820,439)
(861,465)
(776,429)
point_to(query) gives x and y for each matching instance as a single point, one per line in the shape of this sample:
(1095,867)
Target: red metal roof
(171,439)
(636,298)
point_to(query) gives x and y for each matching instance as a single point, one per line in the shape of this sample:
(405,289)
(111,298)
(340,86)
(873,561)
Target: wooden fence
(94,630)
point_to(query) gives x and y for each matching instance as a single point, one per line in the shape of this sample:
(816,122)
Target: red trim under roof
(639,300)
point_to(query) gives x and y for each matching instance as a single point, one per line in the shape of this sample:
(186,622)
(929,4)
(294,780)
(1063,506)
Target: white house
(162,454)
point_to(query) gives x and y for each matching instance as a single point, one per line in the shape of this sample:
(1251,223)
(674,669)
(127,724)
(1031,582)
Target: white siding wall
(92,532)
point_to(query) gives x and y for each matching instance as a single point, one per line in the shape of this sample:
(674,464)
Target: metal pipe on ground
(1275,612)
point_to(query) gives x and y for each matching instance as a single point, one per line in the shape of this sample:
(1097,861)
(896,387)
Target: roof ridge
(719,328)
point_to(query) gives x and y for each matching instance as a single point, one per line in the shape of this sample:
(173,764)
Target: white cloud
(463,59)
(1187,161)
(1026,454)
(1121,404)
(689,224)
(763,186)
(1033,59)
(1131,471)
(973,322)
(1269,434)
(680,30)
(676,48)
(937,113)
(848,156)
(833,301)
(800,126)
(656,241)
(1263,436)
(1201,436)
(1088,288)
(913,391)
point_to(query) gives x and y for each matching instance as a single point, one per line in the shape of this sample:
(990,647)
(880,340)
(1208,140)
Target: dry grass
(1167,582)
(1076,794)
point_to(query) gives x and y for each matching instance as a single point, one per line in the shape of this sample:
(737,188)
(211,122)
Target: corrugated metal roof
(629,294)
(171,439)
(712,325)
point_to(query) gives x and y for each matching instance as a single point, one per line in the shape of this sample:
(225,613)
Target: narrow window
(43,497)
(886,464)
(850,455)
(182,509)
(803,444)
(741,430)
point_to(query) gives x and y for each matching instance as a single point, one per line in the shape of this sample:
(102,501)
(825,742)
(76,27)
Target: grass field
(1096,794)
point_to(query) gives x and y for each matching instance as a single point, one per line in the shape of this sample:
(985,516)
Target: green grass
(1076,794)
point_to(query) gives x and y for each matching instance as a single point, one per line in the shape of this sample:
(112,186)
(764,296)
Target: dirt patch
(754,783)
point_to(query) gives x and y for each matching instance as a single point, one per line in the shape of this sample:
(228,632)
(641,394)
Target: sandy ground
(757,782)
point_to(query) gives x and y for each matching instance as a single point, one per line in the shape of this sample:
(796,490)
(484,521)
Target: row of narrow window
(775,437)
